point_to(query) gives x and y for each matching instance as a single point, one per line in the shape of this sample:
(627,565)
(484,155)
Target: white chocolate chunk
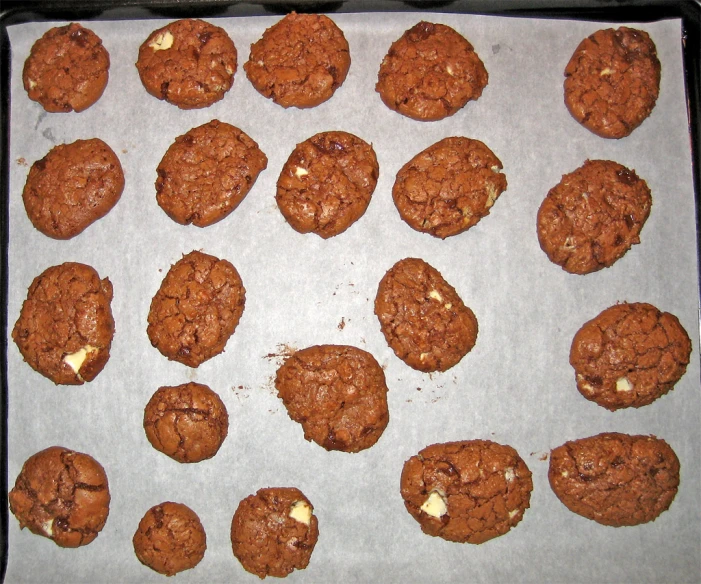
(301,511)
(565,474)
(162,42)
(513,513)
(449,70)
(606,71)
(509,474)
(435,505)
(436,295)
(300,172)
(75,360)
(48,527)
(447,306)
(423,356)
(32,84)
(623,384)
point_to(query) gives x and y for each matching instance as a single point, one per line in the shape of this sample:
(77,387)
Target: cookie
(430,73)
(170,538)
(274,532)
(73,186)
(615,479)
(300,61)
(612,81)
(467,492)
(423,319)
(629,355)
(196,309)
(327,182)
(337,393)
(67,69)
(207,172)
(62,495)
(65,327)
(187,422)
(448,187)
(593,216)
(189,63)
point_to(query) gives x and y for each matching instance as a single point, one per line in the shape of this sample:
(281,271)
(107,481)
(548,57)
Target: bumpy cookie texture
(62,495)
(189,63)
(612,81)
(207,172)
(466,492)
(422,317)
(337,393)
(629,355)
(65,328)
(196,309)
(615,479)
(300,61)
(274,532)
(593,216)
(67,69)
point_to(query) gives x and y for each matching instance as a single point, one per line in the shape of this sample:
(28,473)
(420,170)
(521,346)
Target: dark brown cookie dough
(467,492)
(612,81)
(274,532)
(62,495)
(65,328)
(615,479)
(337,393)
(593,216)
(430,73)
(207,172)
(300,61)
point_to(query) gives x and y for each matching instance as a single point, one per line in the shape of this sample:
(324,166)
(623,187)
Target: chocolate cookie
(62,495)
(467,492)
(593,216)
(67,69)
(300,61)
(430,73)
(337,393)
(615,479)
(65,328)
(207,172)
(422,317)
(274,532)
(189,63)
(448,187)
(612,81)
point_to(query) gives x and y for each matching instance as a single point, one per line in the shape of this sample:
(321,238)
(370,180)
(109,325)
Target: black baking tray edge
(16,12)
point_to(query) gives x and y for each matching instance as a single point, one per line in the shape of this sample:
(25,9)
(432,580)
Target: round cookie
(327,182)
(62,495)
(207,172)
(337,393)
(467,492)
(615,479)
(189,63)
(612,81)
(430,73)
(300,61)
(593,216)
(629,355)
(73,186)
(67,69)
(65,327)
(448,187)
(274,532)
(423,319)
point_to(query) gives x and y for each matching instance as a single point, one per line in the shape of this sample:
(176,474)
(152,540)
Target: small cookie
(337,393)
(207,172)
(629,355)
(615,479)
(612,81)
(189,63)
(196,309)
(300,61)
(430,73)
(67,69)
(274,532)
(593,216)
(65,328)
(62,495)
(73,186)
(327,182)
(423,319)
(448,187)
(467,492)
